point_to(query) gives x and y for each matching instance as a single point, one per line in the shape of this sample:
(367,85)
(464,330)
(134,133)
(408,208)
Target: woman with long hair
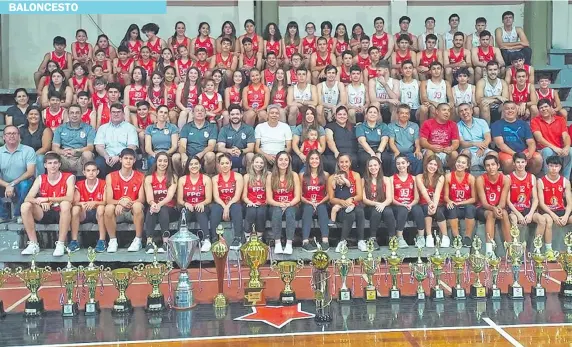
(372,137)
(340,138)
(161,137)
(326,32)
(160,190)
(279,92)
(430,184)
(103,44)
(255,99)
(179,39)
(46,78)
(250,32)
(309,120)
(254,195)
(357,34)
(342,42)
(233,94)
(203,40)
(188,96)
(136,91)
(291,43)
(273,41)
(227,31)
(58,83)
(36,135)
(283,195)
(170,86)
(133,41)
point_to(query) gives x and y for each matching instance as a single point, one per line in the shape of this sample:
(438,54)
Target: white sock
(488,247)
(113,239)
(548,246)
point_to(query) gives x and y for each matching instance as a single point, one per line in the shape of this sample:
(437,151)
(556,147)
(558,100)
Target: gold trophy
(33,279)
(91,274)
(344,264)
(437,261)
(565,260)
(220,255)
(394,260)
(477,263)
(459,260)
(287,271)
(121,279)
(419,271)
(254,253)
(369,266)
(494,264)
(154,273)
(321,286)
(4,274)
(538,291)
(515,252)
(69,276)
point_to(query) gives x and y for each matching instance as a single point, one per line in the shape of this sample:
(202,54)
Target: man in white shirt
(272,136)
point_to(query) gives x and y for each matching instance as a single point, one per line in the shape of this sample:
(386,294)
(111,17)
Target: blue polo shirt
(198,138)
(69,137)
(372,135)
(404,137)
(236,138)
(161,137)
(514,134)
(474,133)
(13,165)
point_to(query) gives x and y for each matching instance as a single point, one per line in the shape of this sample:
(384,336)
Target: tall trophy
(121,279)
(459,260)
(494,263)
(220,255)
(154,273)
(69,275)
(515,252)
(182,247)
(91,274)
(344,265)
(437,261)
(254,253)
(538,291)
(394,260)
(565,260)
(287,271)
(369,266)
(321,286)
(4,274)
(419,271)
(33,279)
(477,263)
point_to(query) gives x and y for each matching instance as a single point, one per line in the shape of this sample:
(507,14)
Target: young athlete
(179,39)
(361,57)
(370,70)
(427,57)
(491,92)
(301,94)
(524,96)
(291,44)
(249,59)
(403,52)
(203,41)
(156,92)
(55,114)
(145,61)
(59,55)
(357,35)
(132,40)
(279,93)
(233,94)
(123,66)
(250,32)
(357,95)
(326,32)
(517,63)
(409,89)
(88,115)
(226,61)
(319,60)
(103,111)
(58,83)
(295,64)
(456,58)
(81,50)
(342,187)
(384,90)
(404,22)
(433,92)
(228,31)
(429,30)
(331,94)
(485,53)
(464,93)
(211,101)
(382,40)
(255,99)
(101,60)
(141,120)
(308,44)
(342,43)
(449,36)
(137,91)
(103,44)
(474,39)
(79,81)
(165,60)
(46,77)
(188,96)
(269,74)
(273,42)
(154,42)
(545,92)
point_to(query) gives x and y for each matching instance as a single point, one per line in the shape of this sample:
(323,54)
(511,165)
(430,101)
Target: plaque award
(91,275)
(538,291)
(33,278)
(419,271)
(369,266)
(344,265)
(565,260)
(255,254)
(494,263)
(219,250)
(69,277)
(154,273)
(394,260)
(477,263)
(459,261)
(515,252)
(287,271)
(321,286)
(437,262)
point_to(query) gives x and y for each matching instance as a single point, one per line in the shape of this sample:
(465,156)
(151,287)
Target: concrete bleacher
(561,73)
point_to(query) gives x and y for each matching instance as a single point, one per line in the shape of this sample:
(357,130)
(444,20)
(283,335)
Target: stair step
(557,86)
(560,51)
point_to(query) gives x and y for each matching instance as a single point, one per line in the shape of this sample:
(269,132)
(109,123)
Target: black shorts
(559,213)
(524,212)
(462,212)
(481,214)
(50,217)
(90,217)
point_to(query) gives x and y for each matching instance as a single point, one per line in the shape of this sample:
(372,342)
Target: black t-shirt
(33,140)
(18,117)
(344,137)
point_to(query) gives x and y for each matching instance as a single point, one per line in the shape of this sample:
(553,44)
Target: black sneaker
(149,248)
(325,246)
(467,242)
(236,244)
(309,247)
(375,244)
(332,223)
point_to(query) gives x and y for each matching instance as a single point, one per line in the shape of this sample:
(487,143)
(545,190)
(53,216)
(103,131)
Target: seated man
(17,167)
(402,53)
(49,202)
(474,39)
(301,94)
(524,95)
(73,141)
(474,135)
(358,98)
(555,197)
(236,139)
(490,93)
(440,136)
(456,58)
(104,109)
(449,36)
(427,57)
(403,139)
(433,92)
(492,189)
(269,73)
(551,133)
(226,61)
(545,92)
(409,90)
(404,22)
(89,204)
(124,197)
(517,61)
(320,59)
(512,135)
(464,93)
(511,39)
(272,136)
(370,70)
(485,53)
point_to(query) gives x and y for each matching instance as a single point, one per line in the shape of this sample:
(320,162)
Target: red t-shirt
(552,132)
(94,194)
(439,134)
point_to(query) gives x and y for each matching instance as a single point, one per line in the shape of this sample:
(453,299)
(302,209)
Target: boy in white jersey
(383,90)
(449,36)
(301,94)
(456,58)
(429,29)
(358,98)
(490,93)
(473,40)
(331,94)
(434,91)
(409,89)
(511,39)
(464,92)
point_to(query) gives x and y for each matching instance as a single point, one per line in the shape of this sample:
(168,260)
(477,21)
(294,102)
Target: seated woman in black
(340,138)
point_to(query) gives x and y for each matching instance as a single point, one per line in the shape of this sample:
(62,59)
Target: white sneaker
(401,243)
(60,249)
(445,241)
(160,250)
(288,248)
(206,247)
(420,241)
(278,248)
(135,245)
(340,245)
(362,246)
(429,241)
(112,246)
(31,249)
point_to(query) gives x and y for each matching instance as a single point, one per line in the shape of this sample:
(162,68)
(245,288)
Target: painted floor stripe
(504,334)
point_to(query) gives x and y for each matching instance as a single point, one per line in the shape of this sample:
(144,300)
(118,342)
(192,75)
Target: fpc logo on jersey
(83,7)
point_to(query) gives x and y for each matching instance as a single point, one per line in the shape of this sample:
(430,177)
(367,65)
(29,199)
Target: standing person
(474,136)
(511,39)
(160,194)
(433,92)
(372,137)
(198,138)
(340,138)
(237,139)
(524,95)
(456,58)
(440,136)
(483,54)
(403,139)
(254,196)
(49,202)
(273,136)
(283,195)
(314,202)
(331,94)
(490,93)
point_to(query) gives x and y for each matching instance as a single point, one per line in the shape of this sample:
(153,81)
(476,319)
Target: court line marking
(503,333)
(14,305)
(552,279)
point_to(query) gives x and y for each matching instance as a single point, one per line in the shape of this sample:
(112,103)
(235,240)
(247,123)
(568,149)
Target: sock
(488,247)
(548,246)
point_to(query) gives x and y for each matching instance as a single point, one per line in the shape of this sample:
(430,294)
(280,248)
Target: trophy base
(538,292)
(437,294)
(92,309)
(34,308)
(70,310)
(220,302)
(495,294)
(287,298)
(420,296)
(2,312)
(155,304)
(394,294)
(322,317)
(254,297)
(515,293)
(345,296)
(478,292)
(566,290)
(184,299)
(370,294)
(459,293)
(122,307)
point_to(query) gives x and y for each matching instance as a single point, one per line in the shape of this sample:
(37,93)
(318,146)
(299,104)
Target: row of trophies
(183,245)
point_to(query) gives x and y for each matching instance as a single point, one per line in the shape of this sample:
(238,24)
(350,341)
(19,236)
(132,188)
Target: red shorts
(505,156)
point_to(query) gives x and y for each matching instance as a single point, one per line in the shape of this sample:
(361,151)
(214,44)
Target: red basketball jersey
(235,95)
(207,45)
(381,42)
(81,51)
(273,47)
(459,191)
(96,193)
(313,191)
(283,194)
(126,186)
(61,60)
(97,100)
(553,193)
(183,67)
(155,47)
(86,116)
(257,192)
(54,190)
(427,60)
(309,47)
(400,59)
(485,57)
(79,84)
(520,96)
(456,58)
(404,190)
(210,103)
(54,120)
(521,191)
(255,97)
(160,190)
(493,190)
(136,94)
(226,189)
(194,193)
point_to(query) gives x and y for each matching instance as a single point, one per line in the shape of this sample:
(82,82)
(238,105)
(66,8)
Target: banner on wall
(83,7)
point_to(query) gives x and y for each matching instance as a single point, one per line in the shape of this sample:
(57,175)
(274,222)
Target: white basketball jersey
(330,95)
(356,96)
(437,92)
(463,96)
(491,90)
(303,95)
(510,36)
(410,94)
(380,91)
(448,38)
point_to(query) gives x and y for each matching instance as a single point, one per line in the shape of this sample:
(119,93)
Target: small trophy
(538,291)
(437,262)
(154,273)
(33,279)
(494,263)
(321,286)
(4,274)
(515,252)
(255,254)
(121,279)
(91,274)
(419,271)
(69,276)
(459,260)
(344,264)
(287,271)
(219,250)
(477,263)
(565,260)
(369,266)
(394,262)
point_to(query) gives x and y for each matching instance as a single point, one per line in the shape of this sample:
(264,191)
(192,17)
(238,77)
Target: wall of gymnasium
(562,24)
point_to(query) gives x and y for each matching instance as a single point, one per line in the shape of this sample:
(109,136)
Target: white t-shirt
(273,139)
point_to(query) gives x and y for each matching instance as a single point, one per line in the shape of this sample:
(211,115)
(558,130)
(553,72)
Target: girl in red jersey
(170,87)
(79,81)
(311,142)
(123,66)
(314,201)
(145,62)
(103,44)
(59,55)
(154,42)
(188,96)
(203,40)
(227,193)
(279,92)
(179,39)
(250,32)
(217,77)
(382,40)
(101,60)
(342,42)
(156,91)
(211,101)
(183,63)
(132,40)
(524,95)
(545,92)
(308,120)
(254,195)
(46,78)
(58,83)
(291,43)
(136,91)
(194,193)
(81,50)
(165,60)
(377,199)
(405,202)
(255,99)
(326,32)
(99,93)
(308,46)
(228,31)
(283,195)
(460,197)
(430,184)
(160,190)
(357,35)
(88,115)
(233,94)
(273,41)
